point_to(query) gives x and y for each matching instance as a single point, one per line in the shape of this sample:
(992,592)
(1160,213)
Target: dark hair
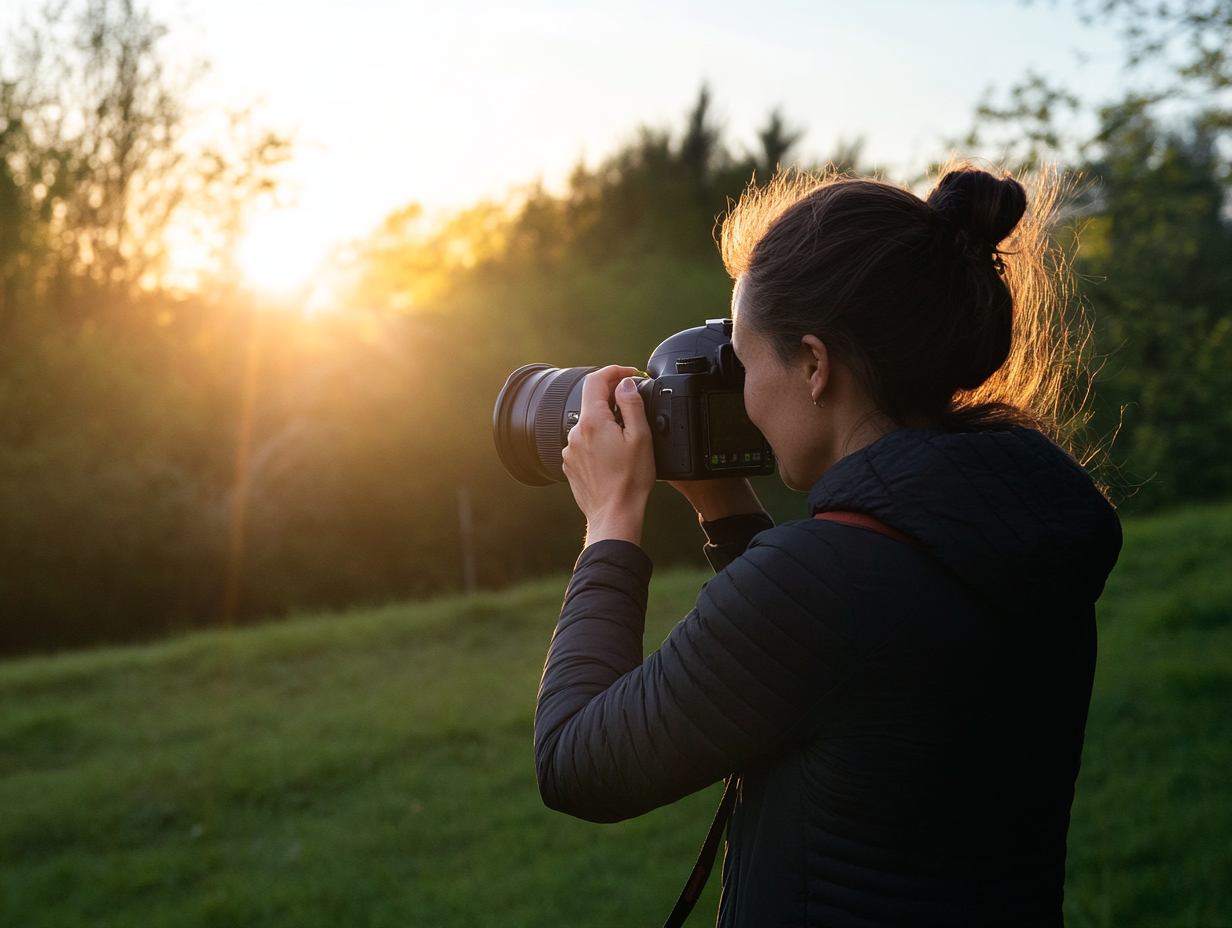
(941,325)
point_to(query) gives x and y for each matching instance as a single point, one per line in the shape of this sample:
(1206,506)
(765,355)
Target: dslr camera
(694,400)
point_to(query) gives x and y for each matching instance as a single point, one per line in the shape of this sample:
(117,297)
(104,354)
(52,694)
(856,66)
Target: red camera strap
(860,520)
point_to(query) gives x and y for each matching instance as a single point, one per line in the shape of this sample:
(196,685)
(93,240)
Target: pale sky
(446,103)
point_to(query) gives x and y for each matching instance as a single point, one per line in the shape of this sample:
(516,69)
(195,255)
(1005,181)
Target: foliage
(1155,250)
(116,390)
(175,452)
(1035,123)
(98,176)
(375,768)
(122,400)
(1153,31)
(1154,237)
(361,449)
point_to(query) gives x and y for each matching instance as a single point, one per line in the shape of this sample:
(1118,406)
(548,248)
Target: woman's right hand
(717,499)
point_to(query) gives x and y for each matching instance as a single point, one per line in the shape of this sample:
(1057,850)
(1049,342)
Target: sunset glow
(279,253)
(446,105)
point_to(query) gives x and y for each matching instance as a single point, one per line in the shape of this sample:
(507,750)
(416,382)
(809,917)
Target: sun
(280,252)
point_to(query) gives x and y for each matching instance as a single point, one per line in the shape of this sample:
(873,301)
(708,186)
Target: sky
(447,103)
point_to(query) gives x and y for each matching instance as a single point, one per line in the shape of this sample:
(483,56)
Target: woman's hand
(611,469)
(716,499)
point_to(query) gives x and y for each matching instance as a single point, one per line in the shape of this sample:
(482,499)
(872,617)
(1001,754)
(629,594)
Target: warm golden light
(278,253)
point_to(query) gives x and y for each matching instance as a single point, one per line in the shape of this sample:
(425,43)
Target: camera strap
(860,520)
(710,847)
(705,860)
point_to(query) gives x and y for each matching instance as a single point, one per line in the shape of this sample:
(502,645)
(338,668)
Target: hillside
(374,768)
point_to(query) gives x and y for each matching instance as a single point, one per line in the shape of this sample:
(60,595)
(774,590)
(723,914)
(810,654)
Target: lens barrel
(528,423)
(694,404)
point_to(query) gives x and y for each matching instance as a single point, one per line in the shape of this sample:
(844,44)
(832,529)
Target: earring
(817,404)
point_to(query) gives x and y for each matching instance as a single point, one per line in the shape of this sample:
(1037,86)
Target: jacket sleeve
(727,538)
(737,679)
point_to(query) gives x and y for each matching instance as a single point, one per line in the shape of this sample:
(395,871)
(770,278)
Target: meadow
(374,768)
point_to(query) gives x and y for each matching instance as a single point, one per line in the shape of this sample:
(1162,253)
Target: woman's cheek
(752,402)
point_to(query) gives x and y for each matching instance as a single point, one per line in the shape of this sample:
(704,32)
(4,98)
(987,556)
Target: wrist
(615,528)
(718,499)
(618,520)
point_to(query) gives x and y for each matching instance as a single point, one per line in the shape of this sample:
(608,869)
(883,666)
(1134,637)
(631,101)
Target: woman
(905,706)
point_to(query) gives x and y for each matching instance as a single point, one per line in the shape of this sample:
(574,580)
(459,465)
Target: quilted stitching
(923,712)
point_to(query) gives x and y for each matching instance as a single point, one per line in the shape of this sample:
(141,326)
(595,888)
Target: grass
(1151,839)
(375,769)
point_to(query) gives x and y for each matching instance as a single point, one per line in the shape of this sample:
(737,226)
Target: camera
(694,400)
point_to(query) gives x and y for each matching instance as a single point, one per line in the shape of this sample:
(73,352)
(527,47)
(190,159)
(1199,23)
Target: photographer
(900,684)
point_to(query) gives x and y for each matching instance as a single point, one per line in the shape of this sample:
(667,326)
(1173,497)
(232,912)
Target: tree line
(175,453)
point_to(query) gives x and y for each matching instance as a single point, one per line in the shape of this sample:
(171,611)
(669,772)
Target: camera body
(694,400)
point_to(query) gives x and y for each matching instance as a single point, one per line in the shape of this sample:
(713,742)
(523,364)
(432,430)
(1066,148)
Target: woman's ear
(815,365)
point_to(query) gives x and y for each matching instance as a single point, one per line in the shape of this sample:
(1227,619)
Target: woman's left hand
(611,469)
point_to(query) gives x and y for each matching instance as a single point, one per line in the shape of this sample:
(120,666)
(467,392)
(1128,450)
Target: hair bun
(984,206)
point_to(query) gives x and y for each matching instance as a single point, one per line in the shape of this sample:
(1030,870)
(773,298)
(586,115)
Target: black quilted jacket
(908,726)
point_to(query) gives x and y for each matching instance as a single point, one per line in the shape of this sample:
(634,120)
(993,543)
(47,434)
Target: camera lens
(529,424)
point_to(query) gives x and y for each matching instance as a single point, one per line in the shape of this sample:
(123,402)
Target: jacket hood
(1008,511)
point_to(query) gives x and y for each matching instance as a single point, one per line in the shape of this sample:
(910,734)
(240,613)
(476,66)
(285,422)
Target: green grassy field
(375,769)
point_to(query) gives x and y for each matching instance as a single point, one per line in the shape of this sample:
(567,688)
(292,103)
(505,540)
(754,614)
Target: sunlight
(280,251)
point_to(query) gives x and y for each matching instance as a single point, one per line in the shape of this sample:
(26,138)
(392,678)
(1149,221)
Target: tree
(99,168)
(117,381)
(777,140)
(1194,37)
(1154,256)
